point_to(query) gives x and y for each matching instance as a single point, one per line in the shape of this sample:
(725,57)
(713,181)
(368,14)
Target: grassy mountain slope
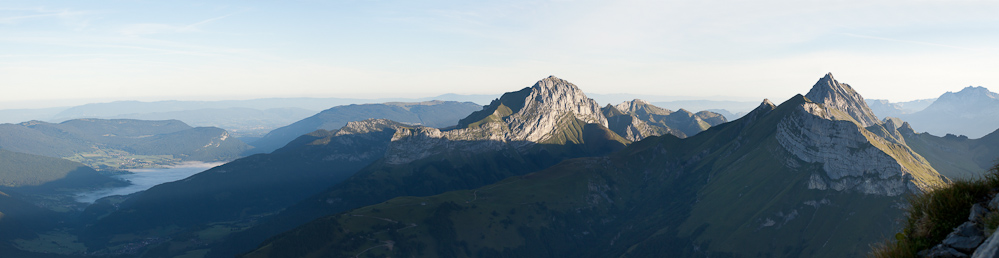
(953,156)
(32,189)
(240,192)
(49,182)
(20,219)
(930,217)
(21,169)
(519,133)
(637,119)
(733,190)
(432,175)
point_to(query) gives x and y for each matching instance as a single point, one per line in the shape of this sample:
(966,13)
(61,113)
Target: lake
(143,179)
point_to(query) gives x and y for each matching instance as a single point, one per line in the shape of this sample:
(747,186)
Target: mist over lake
(143,179)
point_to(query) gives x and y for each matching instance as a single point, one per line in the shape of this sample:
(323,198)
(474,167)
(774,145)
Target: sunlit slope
(742,188)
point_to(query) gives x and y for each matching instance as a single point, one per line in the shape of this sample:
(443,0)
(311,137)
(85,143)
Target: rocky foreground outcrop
(970,239)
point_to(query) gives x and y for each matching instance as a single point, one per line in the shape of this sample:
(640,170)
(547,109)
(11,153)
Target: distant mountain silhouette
(430,113)
(973,111)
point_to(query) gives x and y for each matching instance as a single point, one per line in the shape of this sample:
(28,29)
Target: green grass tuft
(934,214)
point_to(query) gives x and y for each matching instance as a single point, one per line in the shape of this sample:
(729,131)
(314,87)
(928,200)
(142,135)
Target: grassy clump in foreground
(934,214)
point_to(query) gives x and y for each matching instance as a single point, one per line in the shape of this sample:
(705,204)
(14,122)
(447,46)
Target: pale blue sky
(79,51)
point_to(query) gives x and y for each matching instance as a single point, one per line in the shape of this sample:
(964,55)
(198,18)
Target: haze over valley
(510,129)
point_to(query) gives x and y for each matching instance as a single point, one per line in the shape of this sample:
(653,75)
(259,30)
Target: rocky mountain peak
(765,106)
(552,111)
(550,100)
(833,94)
(971,90)
(535,113)
(684,112)
(641,107)
(367,126)
(970,95)
(905,128)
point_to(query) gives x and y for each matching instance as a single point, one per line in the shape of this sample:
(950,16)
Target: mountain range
(245,119)
(429,113)
(634,120)
(730,109)
(973,112)
(518,133)
(885,108)
(816,176)
(544,171)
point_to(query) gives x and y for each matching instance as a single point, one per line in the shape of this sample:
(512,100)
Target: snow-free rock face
(358,140)
(832,94)
(642,108)
(853,158)
(632,128)
(833,126)
(638,119)
(549,100)
(542,113)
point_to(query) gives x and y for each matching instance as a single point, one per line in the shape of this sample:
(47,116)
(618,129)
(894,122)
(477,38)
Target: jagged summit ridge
(869,160)
(841,96)
(966,100)
(548,112)
(637,119)
(979,91)
(641,107)
(549,101)
(534,113)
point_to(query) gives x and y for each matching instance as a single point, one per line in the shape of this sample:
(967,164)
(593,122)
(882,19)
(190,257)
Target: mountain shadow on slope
(426,176)
(956,157)
(22,171)
(518,133)
(245,189)
(761,185)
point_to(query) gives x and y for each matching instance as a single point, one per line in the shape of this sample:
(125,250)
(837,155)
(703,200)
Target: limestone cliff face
(852,157)
(638,119)
(549,101)
(541,113)
(634,129)
(642,108)
(624,120)
(832,94)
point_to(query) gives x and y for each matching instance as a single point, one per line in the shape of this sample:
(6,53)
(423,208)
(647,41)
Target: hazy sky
(156,50)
